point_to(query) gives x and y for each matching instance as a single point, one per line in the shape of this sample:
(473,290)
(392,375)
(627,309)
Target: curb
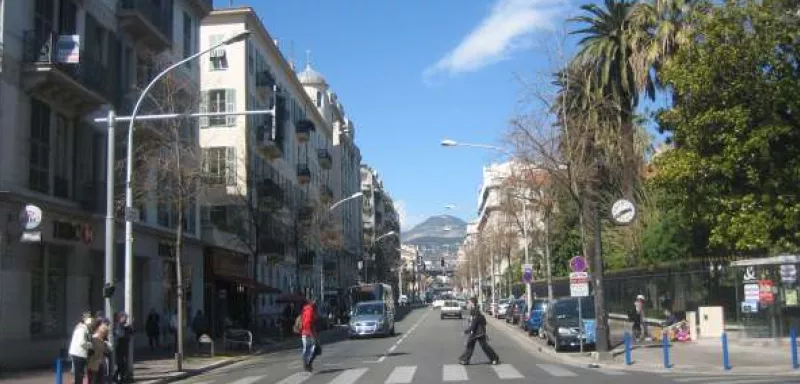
(587,363)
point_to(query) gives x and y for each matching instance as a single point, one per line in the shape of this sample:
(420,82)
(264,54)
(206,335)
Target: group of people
(153,328)
(90,349)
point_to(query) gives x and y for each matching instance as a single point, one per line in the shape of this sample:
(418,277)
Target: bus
(371,292)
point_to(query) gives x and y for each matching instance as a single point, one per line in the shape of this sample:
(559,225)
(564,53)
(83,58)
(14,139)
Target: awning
(249,283)
(774,260)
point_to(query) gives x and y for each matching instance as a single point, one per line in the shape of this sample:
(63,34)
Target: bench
(233,337)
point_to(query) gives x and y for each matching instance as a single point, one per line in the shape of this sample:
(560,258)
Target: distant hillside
(437,230)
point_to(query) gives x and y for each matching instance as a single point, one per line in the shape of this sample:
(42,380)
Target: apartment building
(272,177)
(379,217)
(65,62)
(340,262)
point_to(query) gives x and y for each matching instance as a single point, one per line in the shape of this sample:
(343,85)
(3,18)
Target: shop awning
(249,283)
(774,260)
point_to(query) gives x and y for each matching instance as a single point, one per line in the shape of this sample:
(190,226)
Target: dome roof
(311,77)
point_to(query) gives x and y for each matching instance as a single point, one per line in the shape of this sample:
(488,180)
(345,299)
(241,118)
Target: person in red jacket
(308,333)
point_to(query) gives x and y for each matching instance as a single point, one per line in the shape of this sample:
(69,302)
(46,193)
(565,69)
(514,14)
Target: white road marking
(507,371)
(248,380)
(730,380)
(296,378)
(294,365)
(747,381)
(556,370)
(349,376)
(399,341)
(454,372)
(609,372)
(402,375)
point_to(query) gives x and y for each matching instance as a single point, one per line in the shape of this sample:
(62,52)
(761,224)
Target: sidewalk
(700,357)
(159,367)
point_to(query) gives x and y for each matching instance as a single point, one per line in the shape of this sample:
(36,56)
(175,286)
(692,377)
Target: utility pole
(108,291)
(528,298)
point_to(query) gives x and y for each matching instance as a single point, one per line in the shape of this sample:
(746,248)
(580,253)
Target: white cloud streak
(509,27)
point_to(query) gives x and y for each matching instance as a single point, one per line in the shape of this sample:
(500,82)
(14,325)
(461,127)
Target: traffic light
(108,290)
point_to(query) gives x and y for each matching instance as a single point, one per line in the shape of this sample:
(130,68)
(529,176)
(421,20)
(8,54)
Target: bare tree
(167,162)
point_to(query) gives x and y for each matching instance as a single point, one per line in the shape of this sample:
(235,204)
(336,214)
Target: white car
(451,308)
(438,303)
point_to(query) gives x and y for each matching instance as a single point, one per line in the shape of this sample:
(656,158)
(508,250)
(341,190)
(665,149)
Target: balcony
(205,6)
(80,87)
(303,129)
(147,22)
(324,159)
(268,139)
(326,194)
(303,174)
(270,194)
(264,79)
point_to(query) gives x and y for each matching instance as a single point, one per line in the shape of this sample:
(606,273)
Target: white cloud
(507,28)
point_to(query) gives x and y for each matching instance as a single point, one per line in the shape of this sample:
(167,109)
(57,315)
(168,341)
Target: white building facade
(65,62)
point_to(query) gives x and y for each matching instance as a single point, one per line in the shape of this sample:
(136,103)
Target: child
(100,349)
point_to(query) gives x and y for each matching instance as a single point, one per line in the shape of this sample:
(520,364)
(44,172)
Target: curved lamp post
(322,265)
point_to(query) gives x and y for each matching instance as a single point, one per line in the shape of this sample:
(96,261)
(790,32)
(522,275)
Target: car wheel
(557,346)
(441,317)
(391,332)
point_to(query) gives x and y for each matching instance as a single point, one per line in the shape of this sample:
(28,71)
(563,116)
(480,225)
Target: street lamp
(322,265)
(453,143)
(236,37)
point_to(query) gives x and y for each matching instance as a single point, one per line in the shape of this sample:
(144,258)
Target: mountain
(441,229)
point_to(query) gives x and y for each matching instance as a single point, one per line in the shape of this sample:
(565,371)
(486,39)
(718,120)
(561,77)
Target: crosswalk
(732,379)
(450,373)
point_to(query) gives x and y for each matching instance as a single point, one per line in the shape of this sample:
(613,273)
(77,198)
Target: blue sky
(413,72)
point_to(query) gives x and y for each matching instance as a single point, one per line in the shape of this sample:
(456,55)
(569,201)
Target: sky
(411,73)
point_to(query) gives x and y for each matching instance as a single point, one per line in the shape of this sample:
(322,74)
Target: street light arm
(452,143)
(342,201)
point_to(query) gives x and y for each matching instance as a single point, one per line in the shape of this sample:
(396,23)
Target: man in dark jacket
(477,333)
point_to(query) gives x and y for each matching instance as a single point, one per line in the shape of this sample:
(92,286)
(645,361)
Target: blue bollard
(665,346)
(726,363)
(59,371)
(793,340)
(627,338)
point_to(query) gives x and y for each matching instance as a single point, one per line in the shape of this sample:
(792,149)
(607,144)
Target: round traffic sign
(623,211)
(577,264)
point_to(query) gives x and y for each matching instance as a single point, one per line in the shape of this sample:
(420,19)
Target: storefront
(229,289)
(767,289)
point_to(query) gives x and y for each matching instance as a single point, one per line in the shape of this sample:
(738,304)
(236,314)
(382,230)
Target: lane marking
(454,372)
(506,372)
(296,378)
(609,372)
(248,380)
(556,370)
(402,375)
(399,341)
(349,376)
(294,365)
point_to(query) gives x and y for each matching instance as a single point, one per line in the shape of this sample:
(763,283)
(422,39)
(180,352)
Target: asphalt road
(426,350)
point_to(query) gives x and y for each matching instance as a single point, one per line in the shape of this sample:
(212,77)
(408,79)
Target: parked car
(371,318)
(450,308)
(533,324)
(561,325)
(501,308)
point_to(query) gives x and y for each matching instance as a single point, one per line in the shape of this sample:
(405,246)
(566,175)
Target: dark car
(561,325)
(534,322)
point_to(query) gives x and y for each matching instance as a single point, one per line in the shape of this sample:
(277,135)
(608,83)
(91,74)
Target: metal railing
(159,16)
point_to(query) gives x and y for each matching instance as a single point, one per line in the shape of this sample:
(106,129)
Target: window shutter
(204,160)
(212,41)
(230,106)
(230,165)
(204,101)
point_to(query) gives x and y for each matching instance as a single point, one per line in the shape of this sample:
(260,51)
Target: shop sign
(229,264)
(766,295)
(788,273)
(30,219)
(752,292)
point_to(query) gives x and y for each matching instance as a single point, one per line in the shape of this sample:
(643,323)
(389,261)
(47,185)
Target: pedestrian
(80,347)
(153,328)
(477,334)
(308,333)
(638,306)
(96,372)
(122,336)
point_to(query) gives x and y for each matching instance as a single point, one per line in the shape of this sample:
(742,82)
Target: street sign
(579,284)
(623,212)
(527,273)
(751,292)
(578,264)
(788,273)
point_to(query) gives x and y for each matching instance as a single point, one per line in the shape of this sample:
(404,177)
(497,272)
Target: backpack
(298,324)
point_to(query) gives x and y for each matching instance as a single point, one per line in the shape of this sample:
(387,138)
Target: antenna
(291,54)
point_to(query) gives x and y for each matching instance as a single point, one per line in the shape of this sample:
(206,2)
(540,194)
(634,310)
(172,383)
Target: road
(425,350)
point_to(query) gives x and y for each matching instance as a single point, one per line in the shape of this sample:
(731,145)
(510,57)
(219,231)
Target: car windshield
(369,309)
(451,304)
(569,308)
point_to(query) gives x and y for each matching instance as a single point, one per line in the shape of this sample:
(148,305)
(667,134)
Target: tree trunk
(179,285)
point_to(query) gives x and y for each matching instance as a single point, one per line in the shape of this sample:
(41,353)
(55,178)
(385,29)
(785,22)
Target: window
(218,100)
(48,291)
(188,41)
(219,165)
(219,60)
(319,99)
(63,158)
(39,169)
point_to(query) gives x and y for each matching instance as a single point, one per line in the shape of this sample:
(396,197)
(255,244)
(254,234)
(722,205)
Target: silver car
(370,318)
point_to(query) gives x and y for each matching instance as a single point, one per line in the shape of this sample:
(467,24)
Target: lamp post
(322,264)
(129,214)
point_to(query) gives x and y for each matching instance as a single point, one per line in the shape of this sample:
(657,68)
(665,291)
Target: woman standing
(100,349)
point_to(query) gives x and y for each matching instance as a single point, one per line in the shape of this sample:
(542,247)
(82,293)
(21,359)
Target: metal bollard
(793,340)
(726,363)
(665,347)
(628,346)
(59,371)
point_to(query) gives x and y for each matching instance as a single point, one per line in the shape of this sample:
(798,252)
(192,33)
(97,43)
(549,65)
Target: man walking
(308,333)
(477,334)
